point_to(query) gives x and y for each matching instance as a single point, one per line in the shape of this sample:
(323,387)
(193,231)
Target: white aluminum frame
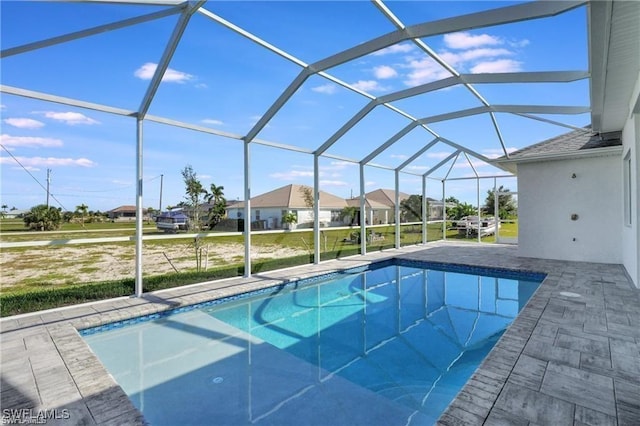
(414,33)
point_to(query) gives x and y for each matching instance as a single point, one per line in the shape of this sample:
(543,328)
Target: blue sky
(221,80)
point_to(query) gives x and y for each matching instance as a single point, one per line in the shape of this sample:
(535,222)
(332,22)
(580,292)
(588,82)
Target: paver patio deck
(572,356)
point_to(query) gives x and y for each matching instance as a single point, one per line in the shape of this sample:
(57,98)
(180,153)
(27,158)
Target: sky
(226,82)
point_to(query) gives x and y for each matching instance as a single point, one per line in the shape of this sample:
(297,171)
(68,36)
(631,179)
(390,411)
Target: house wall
(631,233)
(548,196)
(270,215)
(378,217)
(305,216)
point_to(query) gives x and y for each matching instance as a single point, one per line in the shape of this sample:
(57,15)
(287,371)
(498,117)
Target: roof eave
(594,152)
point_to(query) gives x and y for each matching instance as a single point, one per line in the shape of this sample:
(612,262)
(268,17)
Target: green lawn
(36,294)
(506,230)
(13,230)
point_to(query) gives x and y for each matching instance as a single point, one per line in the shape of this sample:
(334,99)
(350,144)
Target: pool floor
(402,339)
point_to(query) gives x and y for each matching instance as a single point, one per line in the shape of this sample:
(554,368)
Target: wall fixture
(573,176)
(574,216)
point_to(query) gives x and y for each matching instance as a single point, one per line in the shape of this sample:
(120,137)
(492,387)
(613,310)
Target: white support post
(247,211)
(139,180)
(496,209)
(424,210)
(316,210)
(479,214)
(363,215)
(444,213)
(397,207)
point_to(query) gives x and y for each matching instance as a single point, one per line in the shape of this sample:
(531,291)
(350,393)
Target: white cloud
(497,152)
(343,163)
(24,123)
(369,183)
(424,71)
(418,168)
(438,155)
(213,121)
(70,118)
(29,141)
(50,162)
(473,54)
(465,52)
(385,71)
(368,85)
(291,175)
(202,86)
(500,65)
(3,107)
(519,43)
(396,48)
(337,165)
(327,89)
(146,71)
(333,183)
(400,156)
(464,40)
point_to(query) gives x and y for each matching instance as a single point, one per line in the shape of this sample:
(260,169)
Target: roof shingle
(576,140)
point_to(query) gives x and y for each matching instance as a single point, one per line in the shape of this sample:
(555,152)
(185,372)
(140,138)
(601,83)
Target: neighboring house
(125,213)
(380,205)
(570,189)
(376,213)
(12,214)
(268,209)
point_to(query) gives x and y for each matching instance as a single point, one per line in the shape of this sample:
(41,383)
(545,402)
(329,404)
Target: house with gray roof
(268,209)
(380,205)
(125,213)
(569,195)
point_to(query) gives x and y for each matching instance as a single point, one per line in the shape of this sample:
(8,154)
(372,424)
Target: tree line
(411,208)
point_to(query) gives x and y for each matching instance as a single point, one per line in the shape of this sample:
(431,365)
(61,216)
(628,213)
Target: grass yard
(507,230)
(13,230)
(35,278)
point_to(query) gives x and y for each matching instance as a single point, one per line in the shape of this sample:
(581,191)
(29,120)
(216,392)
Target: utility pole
(48,185)
(160,206)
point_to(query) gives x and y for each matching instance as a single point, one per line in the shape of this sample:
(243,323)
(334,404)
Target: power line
(32,176)
(78,191)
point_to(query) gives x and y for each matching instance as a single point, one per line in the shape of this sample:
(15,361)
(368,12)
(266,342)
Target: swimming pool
(389,344)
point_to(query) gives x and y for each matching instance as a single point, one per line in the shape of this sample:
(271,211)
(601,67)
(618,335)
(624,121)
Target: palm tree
(216,195)
(82,209)
(217,210)
(43,218)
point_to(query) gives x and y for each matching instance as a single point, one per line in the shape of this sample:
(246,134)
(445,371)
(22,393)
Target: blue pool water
(386,345)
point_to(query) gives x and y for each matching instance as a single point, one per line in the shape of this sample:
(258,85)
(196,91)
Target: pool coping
(48,366)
